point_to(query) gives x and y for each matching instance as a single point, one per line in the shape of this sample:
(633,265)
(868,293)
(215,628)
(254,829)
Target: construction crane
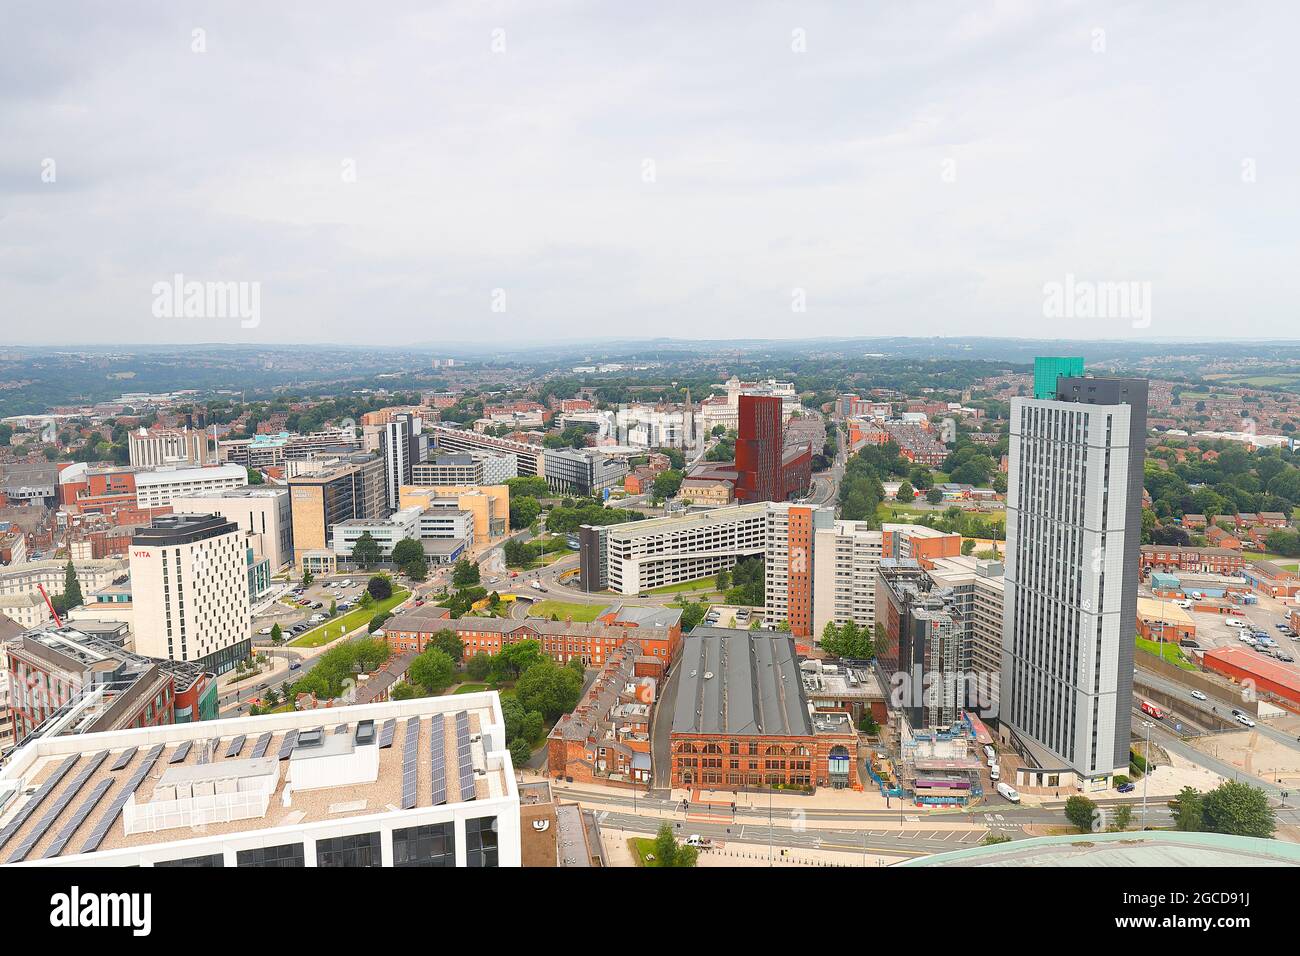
(50,605)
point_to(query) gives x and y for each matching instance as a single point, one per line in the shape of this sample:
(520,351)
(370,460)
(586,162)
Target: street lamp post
(1146,774)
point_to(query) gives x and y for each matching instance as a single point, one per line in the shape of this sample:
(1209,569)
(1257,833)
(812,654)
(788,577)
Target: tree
(1123,817)
(365,552)
(71,586)
(1239,809)
(402,691)
(380,587)
(905,492)
(306,578)
(479,666)
(447,641)
(934,496)
(1081,811)
(665,845)
(687,856)
(334,607)
(967,546)
(692,615)
(277,635)
(724,581)
(523,511)
(549,689)
(517,658)
(254,477)
(667,483)
(520,751)
(465,573)
(407,553)
(433,670)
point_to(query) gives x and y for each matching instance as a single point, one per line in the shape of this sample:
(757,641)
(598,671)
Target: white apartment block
(1074,498)
(844,574)
(189,589)
(265,513)
(157,488)
(417,783)
(154,448)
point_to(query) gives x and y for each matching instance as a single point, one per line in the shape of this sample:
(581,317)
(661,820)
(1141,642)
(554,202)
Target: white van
(699,842)
(994,773)
(1008,792)
(1235,622)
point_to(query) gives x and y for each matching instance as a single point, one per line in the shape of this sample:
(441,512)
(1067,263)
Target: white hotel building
(418,783)
(189,589)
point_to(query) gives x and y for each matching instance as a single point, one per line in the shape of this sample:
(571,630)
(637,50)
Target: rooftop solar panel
(287,744)
(124,758)
(437,748)
(386,734)
(236,746)
(465,759)
(115,808)
(57,806)
(181,752)
(37,798)
(264,741)
(410,764)
(74,822)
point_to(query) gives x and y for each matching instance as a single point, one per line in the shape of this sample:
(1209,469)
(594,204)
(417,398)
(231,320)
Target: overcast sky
(395,172)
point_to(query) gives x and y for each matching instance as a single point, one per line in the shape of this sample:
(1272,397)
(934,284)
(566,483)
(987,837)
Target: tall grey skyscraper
(399,446)
(1074,525)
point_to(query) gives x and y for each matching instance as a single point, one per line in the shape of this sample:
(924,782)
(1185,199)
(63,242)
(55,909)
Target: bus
(1151,710)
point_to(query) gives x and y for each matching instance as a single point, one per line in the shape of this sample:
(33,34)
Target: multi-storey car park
(424,782)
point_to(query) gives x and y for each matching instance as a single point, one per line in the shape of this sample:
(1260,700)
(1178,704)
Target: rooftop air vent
(310,738)
(708,675)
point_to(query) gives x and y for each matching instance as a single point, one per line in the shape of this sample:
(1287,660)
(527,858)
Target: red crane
(50,605)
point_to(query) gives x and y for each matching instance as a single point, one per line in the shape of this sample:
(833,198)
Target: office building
(465,468)
(583,471)
(153,448)
(268,451)
(418,783)
(263,512)
(528,458)
(190,591)
(1074,524)
(489,505)
(159,487)
(327,492)
(386,532)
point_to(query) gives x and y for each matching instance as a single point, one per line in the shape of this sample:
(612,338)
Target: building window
(215,859)
(289,855)
(357,849)
(432,845)
(481,841)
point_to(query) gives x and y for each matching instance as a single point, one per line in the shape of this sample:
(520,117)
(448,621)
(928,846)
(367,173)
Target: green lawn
(469,688)
(699,584)
(563,609)
(1169,652)
(641,847)
(329,631)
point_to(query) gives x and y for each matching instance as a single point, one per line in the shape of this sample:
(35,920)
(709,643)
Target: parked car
(1236,622)
(1126,787)
(264,631)
(695,840)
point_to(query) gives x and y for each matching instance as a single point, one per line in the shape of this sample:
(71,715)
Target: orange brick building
(742,718)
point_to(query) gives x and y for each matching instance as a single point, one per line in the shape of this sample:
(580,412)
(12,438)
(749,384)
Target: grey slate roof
(755,687)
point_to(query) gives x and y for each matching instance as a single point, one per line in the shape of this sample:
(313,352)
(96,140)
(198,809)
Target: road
(1215,706)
